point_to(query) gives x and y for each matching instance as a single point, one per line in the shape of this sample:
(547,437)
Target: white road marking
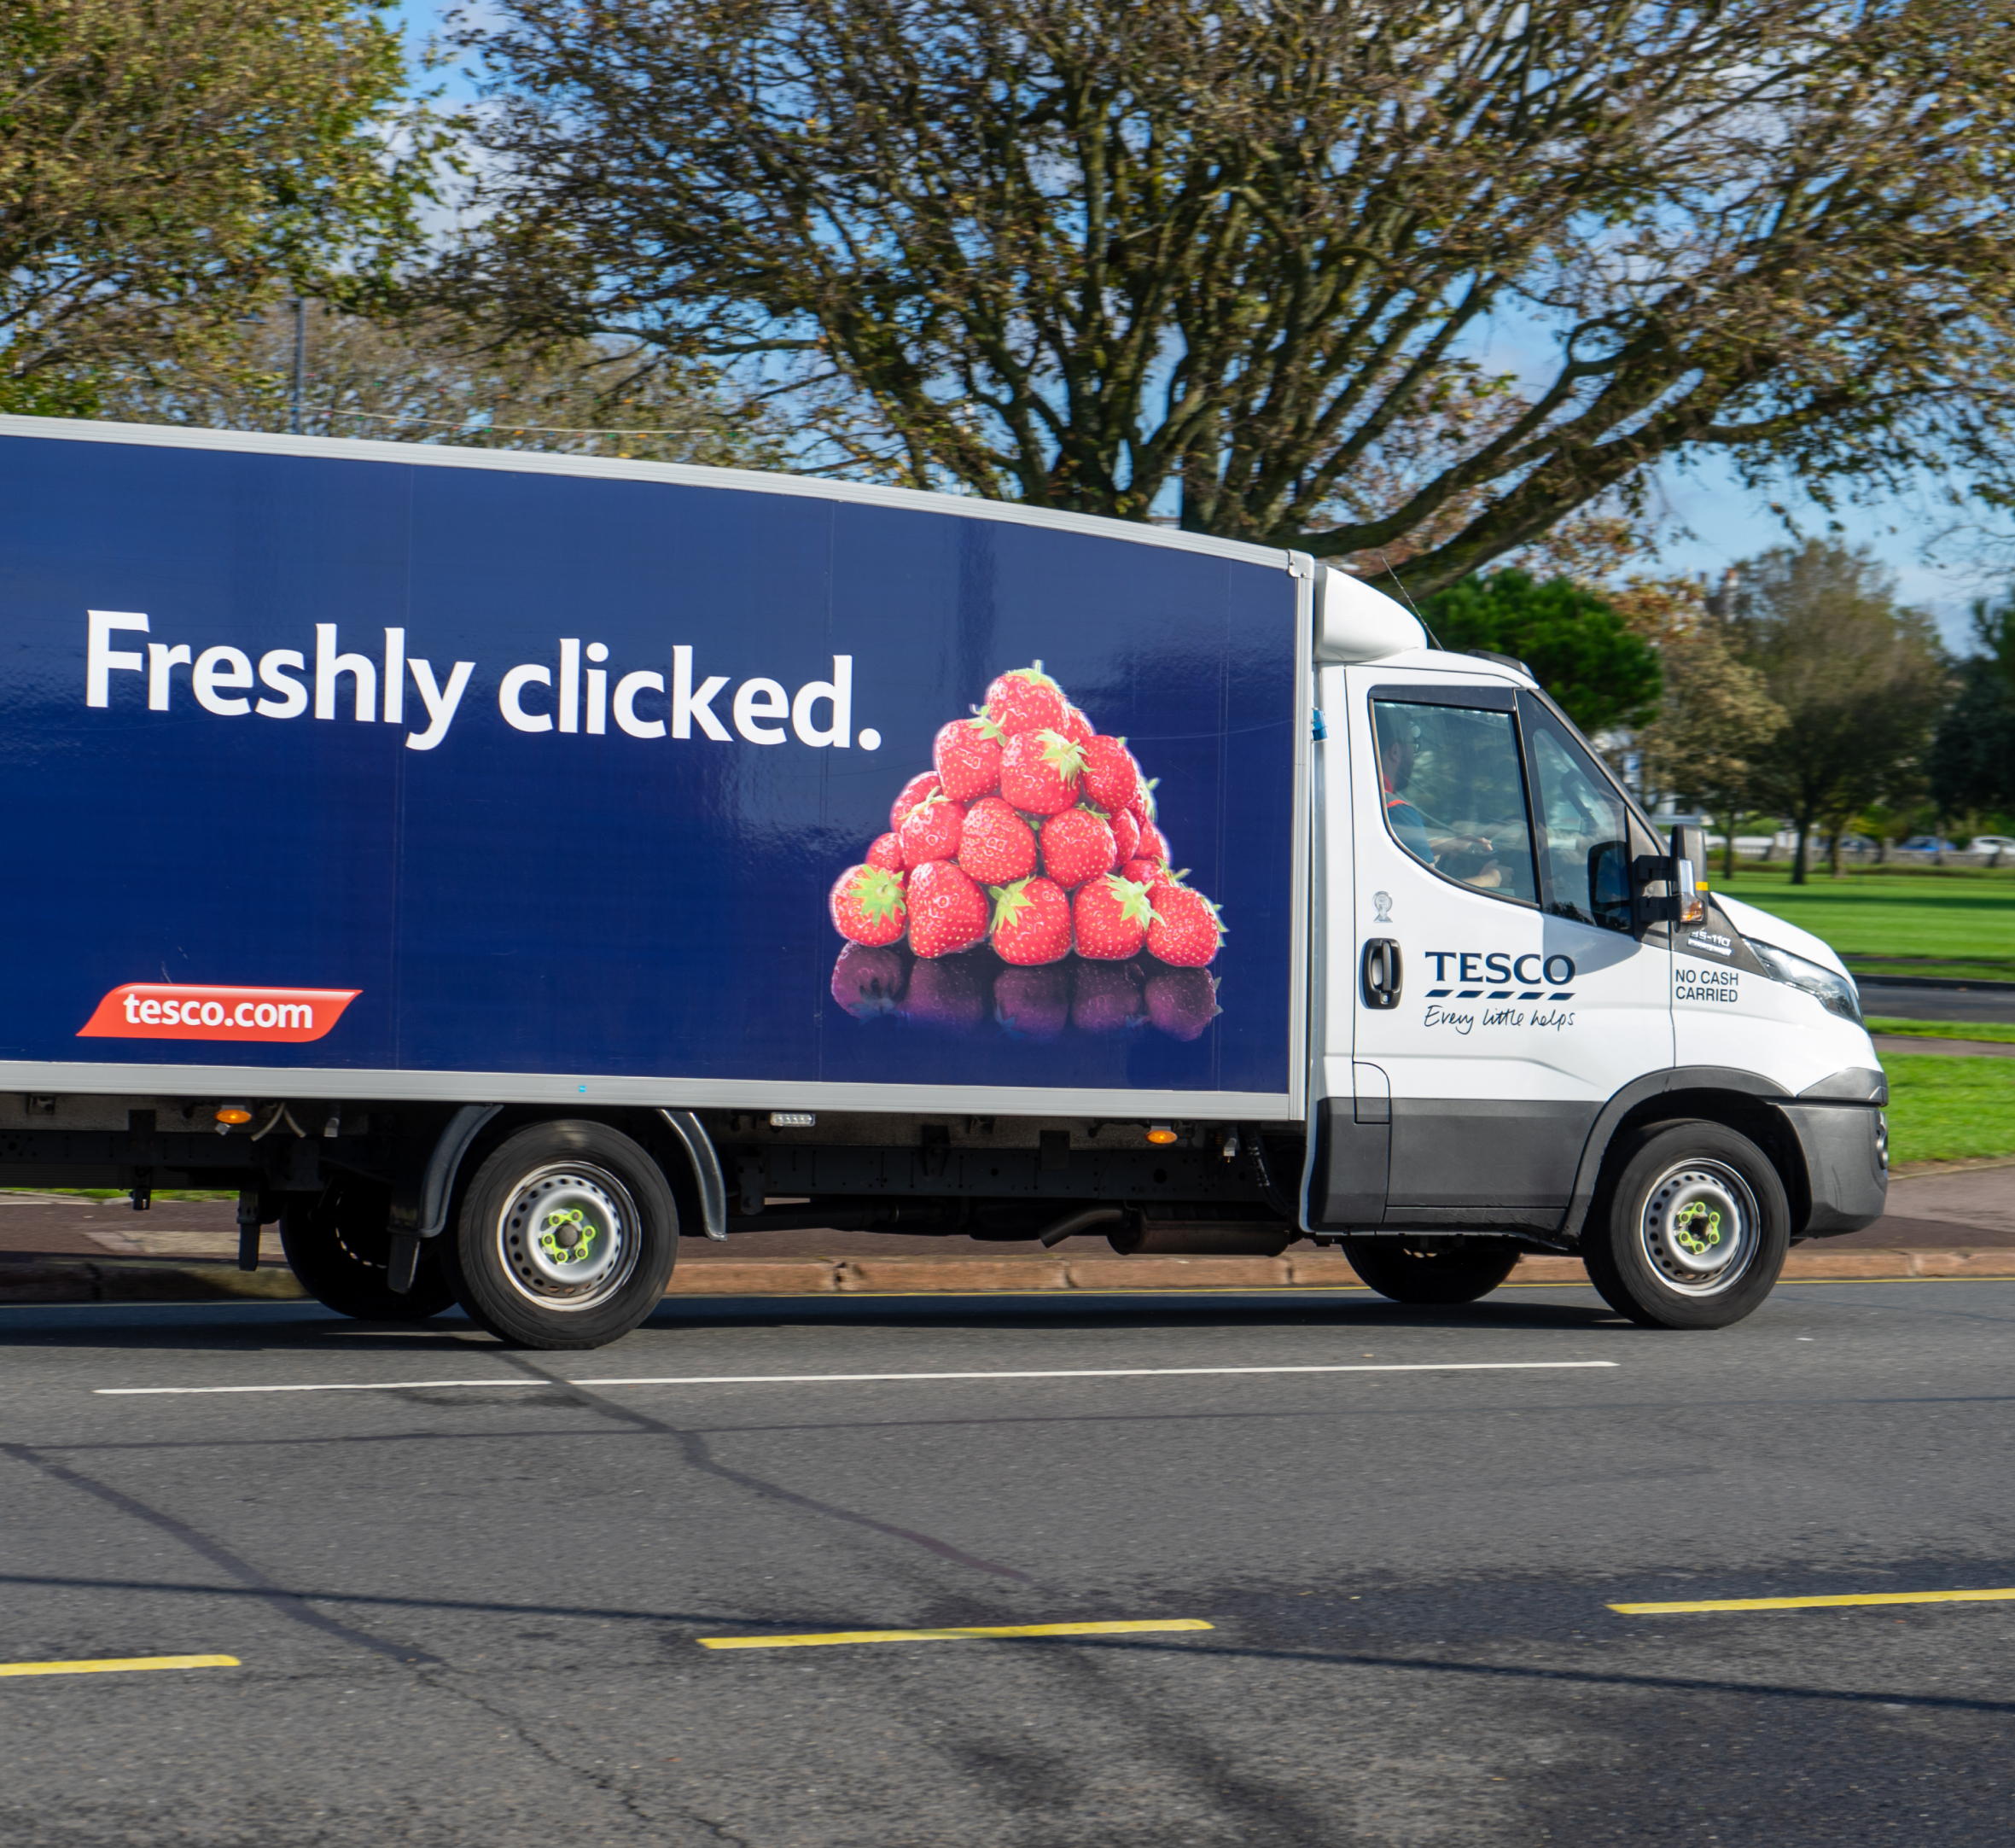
(823,1379)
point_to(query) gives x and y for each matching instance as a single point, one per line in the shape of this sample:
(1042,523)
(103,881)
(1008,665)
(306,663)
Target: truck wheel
(1694,1231)
(1454,1274)
(339,1242)
(565,1237)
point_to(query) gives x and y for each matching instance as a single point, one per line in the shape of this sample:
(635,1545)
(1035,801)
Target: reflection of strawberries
(1112,779)
(868,981)
(1039,772)
(930,831)
(1182,1002)
(968,757)
(947,911)
(1185,932)
(948,996)
(1032,1003)
(1027,700)
(1126,835)
(1153,845)
(1105,998)
(1031,922)
(912,792)
(1077,845)
(995,845)
(867,903)
(887,853)
(1111,915)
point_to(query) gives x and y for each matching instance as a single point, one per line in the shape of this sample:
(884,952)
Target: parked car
(1993,846)
(1926,843)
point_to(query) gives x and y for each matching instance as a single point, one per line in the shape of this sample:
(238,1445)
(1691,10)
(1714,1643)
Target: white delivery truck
(489,865)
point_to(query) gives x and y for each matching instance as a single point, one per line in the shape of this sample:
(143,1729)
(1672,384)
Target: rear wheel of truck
(1692,1233)
(1431,1275)
(565,1239)
(339,1244)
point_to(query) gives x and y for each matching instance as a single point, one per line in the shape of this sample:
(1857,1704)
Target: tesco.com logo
(179,1010)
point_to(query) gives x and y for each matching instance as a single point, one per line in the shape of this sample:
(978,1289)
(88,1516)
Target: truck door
(1501,992)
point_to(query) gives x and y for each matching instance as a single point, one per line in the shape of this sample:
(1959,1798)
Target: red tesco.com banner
(180,1010)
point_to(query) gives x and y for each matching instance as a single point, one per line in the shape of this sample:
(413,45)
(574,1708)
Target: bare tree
(1247,256)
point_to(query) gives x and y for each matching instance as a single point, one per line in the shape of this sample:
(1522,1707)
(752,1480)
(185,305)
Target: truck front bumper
(1846,1151)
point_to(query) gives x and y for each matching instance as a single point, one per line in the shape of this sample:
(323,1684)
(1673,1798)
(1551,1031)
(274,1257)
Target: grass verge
(1949,1110)
(1988,1032)
(1961,924)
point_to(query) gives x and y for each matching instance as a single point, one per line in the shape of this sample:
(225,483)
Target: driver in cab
(1469,858)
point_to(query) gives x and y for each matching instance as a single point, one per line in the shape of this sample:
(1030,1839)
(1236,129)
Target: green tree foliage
(165,163)
(1972,759)
(426,381)
(1245,256)
(1860,681)
(1576,644)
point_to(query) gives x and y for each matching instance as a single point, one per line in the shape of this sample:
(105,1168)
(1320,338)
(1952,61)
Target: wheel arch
(1742,1101)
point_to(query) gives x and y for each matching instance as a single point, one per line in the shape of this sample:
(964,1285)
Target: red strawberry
(1031,922)
(949,997)
(1077,727)
(1032,1003)
(1112,778)
(1105,998)
(1027,700)
(930,831)
(1153,845)
(1144,873)
(1143,805)
(866,982)
(867,903)
(968,755)
(1077,845)
(1111,916)
(995,845)
(1039,772)
(1182,1002)
(947,911)
(1125,835)
(887,853)
(913,792)
(1185,933)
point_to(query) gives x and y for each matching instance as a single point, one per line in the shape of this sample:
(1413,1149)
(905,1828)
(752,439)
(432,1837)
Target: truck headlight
(1836,994)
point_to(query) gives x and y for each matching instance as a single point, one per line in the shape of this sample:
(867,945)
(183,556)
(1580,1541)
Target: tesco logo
(172,1010)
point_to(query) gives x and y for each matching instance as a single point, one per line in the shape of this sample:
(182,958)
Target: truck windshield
(1586,831)
(1453,794)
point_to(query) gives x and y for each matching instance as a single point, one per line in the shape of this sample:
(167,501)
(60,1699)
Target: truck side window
(1584,832)
(1454,793)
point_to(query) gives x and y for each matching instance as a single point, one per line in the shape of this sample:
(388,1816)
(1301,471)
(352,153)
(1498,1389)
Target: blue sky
(1716,521)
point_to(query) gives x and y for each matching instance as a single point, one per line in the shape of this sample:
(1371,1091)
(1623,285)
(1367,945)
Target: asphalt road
(469,1613)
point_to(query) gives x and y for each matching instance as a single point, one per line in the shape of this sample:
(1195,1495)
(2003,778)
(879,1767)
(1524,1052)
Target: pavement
(468,1597)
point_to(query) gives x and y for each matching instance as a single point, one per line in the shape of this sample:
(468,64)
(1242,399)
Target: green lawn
(1958,922)
(1990,1032)
(1947,1109)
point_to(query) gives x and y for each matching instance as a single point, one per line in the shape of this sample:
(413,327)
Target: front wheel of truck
(565,1237)
(1431,1275)
(1693,1230)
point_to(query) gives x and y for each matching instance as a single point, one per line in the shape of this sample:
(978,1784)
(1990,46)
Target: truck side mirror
(1689,854)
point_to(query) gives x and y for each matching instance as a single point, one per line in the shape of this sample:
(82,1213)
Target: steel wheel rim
(566,1238)
(1698,1228)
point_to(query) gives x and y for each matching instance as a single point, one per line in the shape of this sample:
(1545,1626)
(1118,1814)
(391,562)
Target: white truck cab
(1534,1025)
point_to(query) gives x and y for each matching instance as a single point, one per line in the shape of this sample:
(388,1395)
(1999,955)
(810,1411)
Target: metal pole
(300,363)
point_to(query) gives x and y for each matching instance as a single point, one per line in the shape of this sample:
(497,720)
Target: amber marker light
(1160,1134)
(233,1114)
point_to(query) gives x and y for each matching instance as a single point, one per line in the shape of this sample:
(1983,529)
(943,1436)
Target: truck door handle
(1381,973)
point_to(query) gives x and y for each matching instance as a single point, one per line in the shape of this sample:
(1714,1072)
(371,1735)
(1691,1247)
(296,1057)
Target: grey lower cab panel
(1841,1144)
(1472,1154)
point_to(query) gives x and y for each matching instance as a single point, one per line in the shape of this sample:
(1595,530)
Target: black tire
(565,1238)
(1431,1275)
(339,1244)
(1691,1229)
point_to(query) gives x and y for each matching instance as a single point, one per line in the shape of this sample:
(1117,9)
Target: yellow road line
(118,1664)
(819,1639)
(2003,1596)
